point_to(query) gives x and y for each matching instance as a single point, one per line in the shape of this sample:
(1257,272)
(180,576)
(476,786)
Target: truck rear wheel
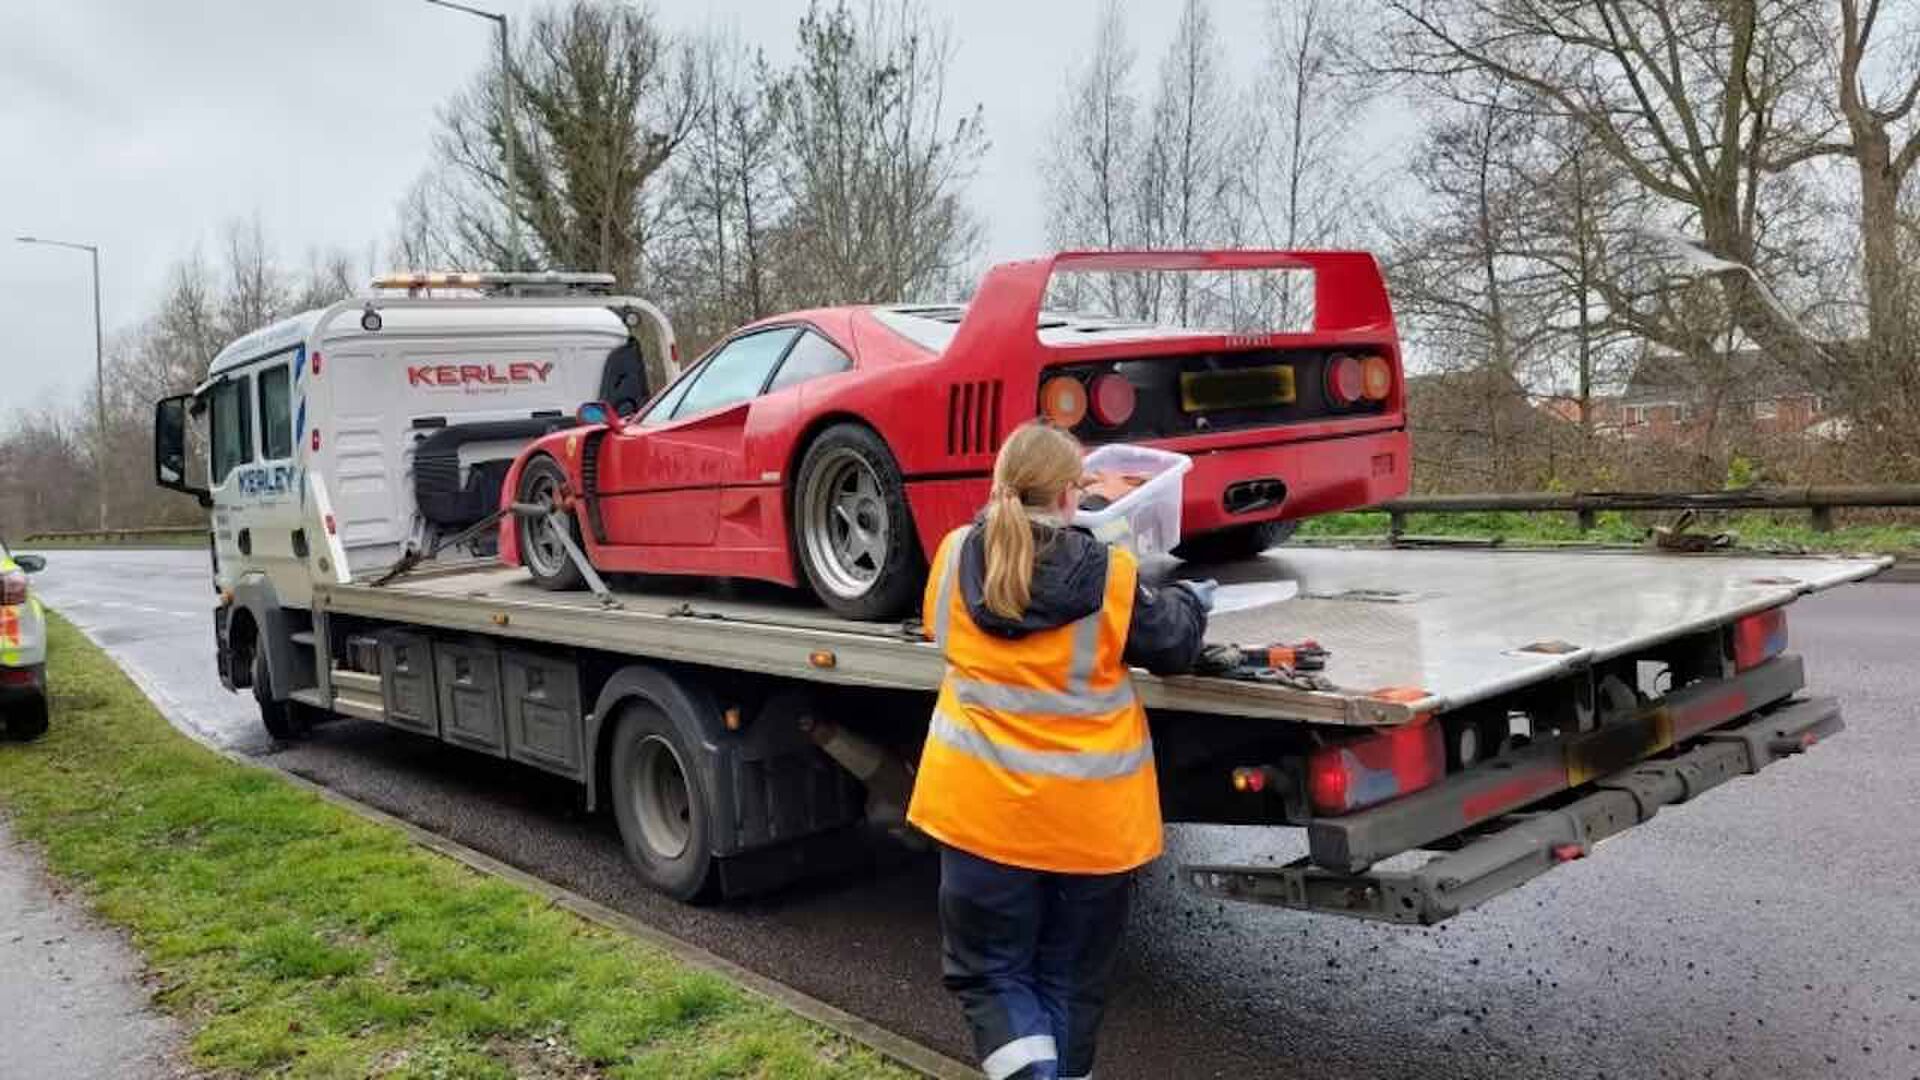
(660,802)
(541,483)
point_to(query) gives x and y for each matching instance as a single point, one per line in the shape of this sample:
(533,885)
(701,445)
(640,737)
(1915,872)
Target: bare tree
(1090,165)
(1188,162)
(602,97)
(873,162)
(723,202)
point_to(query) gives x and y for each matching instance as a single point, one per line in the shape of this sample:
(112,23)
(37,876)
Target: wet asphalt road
(1771,929)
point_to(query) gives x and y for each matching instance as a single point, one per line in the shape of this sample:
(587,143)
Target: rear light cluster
(1759,638)
(1109,397)
(13,588)
(1358,773)
(1352,379)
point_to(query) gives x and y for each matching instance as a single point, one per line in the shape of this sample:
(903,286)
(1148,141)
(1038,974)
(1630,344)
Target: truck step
(1451,883)
(302,637)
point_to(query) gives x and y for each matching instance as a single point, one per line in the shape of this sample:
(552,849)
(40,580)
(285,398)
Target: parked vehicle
(23,648)
(1498,711)
(833,448)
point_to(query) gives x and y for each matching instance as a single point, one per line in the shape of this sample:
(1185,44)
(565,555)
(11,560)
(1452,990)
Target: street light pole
(99,371)
(517,254)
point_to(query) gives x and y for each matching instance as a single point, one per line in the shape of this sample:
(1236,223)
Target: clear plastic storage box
(1145,520)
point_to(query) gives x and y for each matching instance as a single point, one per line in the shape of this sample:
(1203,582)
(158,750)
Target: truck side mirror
(598,414)
(170,447)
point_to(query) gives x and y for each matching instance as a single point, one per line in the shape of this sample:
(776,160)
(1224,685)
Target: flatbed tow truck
(1571,695)
(1494,713)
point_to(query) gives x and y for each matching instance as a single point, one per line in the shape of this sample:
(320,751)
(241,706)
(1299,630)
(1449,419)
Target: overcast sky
(142,127)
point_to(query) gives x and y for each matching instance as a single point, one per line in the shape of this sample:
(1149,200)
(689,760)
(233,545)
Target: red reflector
(330,528)
(1568,852)
(16,676)
(316,440)
(1346,380)
(316,363)
(13,587)
(1113,399)
(1361,772)
(1759,638)
(1251,780)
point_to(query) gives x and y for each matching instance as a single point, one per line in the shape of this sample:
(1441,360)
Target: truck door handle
(246,541)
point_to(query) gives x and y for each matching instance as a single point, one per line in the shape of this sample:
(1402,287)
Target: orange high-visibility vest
(1038,754)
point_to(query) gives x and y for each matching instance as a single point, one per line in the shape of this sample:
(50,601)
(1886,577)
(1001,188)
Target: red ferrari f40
(835,447)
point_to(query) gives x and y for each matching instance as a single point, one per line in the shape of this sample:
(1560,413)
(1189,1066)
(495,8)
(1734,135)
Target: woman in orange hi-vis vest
(1037,778)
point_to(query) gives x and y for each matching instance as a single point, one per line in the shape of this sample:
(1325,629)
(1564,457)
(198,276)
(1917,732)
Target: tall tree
(1089,168)
(873,162)
(602,97)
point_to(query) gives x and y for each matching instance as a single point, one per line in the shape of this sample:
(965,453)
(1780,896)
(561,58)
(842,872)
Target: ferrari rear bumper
(1320,477)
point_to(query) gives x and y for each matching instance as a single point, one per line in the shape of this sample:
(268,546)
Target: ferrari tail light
(1346,380)
(1376,378)
(13,588)
(1357,773)
(1063,400)
(1113,399)
(1759,638)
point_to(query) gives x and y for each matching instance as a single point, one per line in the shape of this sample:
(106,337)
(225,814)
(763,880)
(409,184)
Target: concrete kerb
(897,1048)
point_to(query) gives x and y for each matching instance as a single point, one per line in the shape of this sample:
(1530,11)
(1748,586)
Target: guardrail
(116,536)
(1586,506)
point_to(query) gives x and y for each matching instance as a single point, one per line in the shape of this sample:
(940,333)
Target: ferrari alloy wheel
(541,484)
(852,532)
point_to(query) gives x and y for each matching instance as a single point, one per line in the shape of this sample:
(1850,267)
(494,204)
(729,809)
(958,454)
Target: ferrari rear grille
(973,417)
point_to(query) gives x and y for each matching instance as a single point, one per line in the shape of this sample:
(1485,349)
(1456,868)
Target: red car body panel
(710,494)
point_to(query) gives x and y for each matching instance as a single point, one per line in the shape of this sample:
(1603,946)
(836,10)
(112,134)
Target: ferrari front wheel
(852,532)
(544,483)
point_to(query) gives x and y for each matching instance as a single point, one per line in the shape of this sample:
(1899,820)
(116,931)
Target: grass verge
(295,939)
(1757,531)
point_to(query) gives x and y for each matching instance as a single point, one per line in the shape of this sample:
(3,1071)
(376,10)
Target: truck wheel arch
(258,621)
(693,711)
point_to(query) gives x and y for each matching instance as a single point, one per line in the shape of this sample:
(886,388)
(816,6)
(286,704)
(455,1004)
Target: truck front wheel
(285,720)
(660,801)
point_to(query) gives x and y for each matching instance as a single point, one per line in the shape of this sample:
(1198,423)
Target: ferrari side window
(812,356)
(735,373)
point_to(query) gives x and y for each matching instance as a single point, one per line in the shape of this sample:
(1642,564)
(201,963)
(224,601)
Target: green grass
(1753,530)
(295,939)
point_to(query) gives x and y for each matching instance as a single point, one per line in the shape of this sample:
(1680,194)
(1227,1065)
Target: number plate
(1244,388)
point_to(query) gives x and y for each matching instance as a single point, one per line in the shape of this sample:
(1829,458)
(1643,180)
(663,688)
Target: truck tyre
(287,720)
(541,483)
(26,719)
(852,532)
(1237,544)
(659,799)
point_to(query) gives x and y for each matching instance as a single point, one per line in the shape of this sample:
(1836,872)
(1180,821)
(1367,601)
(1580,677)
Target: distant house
(1669,398)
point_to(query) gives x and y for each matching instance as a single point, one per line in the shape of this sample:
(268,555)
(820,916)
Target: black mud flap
(1521,847)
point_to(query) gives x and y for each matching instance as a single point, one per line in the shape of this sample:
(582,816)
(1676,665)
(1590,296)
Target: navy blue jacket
(1070,581)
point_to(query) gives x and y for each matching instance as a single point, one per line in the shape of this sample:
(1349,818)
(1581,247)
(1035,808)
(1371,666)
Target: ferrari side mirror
(598,413)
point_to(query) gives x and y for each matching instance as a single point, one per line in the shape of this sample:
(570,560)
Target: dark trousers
(1029,955)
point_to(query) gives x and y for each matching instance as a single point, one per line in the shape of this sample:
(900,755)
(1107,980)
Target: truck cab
(337,442)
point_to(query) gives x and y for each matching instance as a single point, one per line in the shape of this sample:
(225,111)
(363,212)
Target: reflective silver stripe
(943,599)
(1020,699)
(1068,764)
(1017,1055)
(1086,649)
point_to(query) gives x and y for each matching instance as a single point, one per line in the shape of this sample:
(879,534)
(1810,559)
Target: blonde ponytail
(1035,468)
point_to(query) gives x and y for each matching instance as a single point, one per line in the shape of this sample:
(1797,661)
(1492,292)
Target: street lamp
(506,123)
(99,370)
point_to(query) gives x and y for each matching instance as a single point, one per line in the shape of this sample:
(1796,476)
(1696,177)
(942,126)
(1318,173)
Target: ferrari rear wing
(1349,293)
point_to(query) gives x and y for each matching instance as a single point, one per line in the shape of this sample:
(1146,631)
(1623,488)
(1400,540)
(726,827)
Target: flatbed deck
(1458,625)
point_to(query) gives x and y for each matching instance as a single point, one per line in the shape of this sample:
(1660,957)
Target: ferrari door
(663,478)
